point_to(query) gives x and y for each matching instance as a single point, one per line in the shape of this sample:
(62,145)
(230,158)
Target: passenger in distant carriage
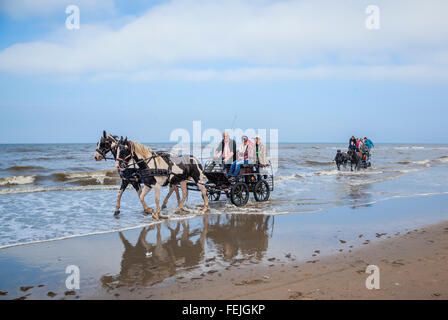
(365,151)
(352,145)
(245,156)
(368,143)
(352,142)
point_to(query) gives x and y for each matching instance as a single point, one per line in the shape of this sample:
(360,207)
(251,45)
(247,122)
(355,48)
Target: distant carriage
(357,159)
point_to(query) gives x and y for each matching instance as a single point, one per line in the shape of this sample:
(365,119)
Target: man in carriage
(261,157)
(227,148)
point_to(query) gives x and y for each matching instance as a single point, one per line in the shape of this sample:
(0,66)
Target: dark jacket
(232,146)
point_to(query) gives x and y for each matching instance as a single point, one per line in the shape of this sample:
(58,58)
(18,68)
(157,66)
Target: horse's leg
(157,199)
(183,186)
(176,189)
(204,196)
(165,202)
(144,192)
(137,187)
(124,184)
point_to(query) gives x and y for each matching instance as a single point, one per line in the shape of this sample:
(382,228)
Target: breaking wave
(48,189)
(17,180)
(319,163)
(105,177)
(23,168)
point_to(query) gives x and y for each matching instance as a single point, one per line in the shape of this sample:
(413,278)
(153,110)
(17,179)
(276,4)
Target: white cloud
(188,40)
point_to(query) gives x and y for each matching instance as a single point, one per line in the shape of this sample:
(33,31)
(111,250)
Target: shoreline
(248,256)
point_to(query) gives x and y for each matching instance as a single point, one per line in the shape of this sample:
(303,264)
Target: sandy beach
(248,257)
(412,266)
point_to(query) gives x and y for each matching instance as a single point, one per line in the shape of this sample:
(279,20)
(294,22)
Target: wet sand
(321,255)
(412,266)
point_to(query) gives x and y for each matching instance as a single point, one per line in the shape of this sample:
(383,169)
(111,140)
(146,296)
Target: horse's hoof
(117,212)
(149,211)
(205,210)
(155,216)
(163,206)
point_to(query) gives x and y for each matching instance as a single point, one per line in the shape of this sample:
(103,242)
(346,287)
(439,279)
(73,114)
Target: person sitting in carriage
(365,152)
(352,146)
(369,144)
(261,157)
(245,156)
(227,148)
(352,142)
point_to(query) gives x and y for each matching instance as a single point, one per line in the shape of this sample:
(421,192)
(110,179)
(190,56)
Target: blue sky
(310,69)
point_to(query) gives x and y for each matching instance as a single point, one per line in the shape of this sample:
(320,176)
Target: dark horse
(109,143)
(341,158)
(355,158)
(176,170)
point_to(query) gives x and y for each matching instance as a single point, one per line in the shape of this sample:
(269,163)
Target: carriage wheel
(261,191)
(213,195)
(239,195)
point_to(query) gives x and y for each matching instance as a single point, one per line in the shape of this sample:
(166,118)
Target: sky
(309,68)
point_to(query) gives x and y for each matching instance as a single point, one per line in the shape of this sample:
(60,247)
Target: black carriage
(253,178)
(365,160)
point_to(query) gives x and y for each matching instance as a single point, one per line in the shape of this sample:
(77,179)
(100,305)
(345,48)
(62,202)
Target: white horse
(177,170)
(109,143)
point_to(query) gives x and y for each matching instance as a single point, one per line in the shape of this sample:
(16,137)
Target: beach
(248,256)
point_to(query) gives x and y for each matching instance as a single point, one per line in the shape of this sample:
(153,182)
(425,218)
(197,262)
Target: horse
(178,170)
(355,158)
(109,143)
(341,158)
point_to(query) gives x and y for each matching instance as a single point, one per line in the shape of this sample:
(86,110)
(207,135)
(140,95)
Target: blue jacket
(369,143)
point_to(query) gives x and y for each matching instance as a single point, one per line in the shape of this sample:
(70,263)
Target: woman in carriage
(245,156)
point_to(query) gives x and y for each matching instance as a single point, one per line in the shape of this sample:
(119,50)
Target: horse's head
(124,153)
(106,144)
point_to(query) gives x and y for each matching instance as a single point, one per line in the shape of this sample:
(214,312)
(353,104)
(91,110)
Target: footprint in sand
(250,282)
(24,289)
(295,295)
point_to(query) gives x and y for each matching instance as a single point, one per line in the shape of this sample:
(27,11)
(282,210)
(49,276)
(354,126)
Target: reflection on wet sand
(180,247)
(356,194)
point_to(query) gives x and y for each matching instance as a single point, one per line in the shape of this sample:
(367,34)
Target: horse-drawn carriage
(253,178)
(354,157)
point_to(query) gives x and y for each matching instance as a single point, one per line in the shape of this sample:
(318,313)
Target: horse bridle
(131,154)
(104,153)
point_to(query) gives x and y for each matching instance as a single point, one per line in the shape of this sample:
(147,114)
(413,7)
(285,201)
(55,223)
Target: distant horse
(355,158)
(109,143)
(341,158)
(178,170)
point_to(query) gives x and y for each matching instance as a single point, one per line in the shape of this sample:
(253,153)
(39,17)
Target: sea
(58,191)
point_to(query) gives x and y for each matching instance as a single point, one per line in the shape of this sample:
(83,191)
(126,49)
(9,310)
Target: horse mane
(144,152)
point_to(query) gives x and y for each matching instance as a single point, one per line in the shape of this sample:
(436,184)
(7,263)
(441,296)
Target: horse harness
(138,174)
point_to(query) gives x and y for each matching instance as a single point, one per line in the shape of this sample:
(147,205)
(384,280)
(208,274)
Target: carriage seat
(248,168)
